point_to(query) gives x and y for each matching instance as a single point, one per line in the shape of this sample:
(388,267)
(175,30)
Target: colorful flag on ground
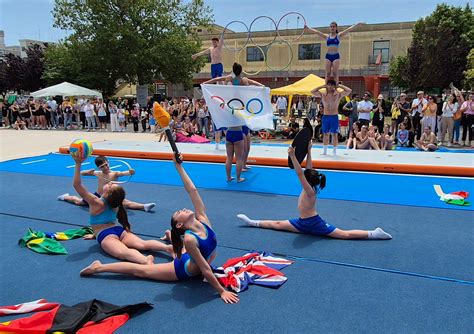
(456,197)
(239,105)
(259,268)
(89,317)
(46,243)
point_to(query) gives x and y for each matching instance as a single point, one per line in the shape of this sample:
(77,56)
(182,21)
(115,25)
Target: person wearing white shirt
(53,105)
(281,106)
(89,112)
(418,107)
(364,108)
(450,107)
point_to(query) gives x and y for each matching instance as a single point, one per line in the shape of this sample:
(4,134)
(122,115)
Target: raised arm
(199,208)
(77,184)
(251,82)
(309,160)
(202,53)
(317,32)
(299,172)
(89,172)
(346,90)
(348,30)
(316,92)
(218,79)
(192,249)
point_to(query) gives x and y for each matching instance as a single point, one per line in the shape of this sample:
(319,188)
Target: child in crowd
(402,135)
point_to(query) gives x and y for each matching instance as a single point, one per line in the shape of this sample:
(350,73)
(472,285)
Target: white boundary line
(33,162)
(83,164)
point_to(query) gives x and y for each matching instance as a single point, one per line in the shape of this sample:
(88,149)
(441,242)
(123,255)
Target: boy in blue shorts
(310,222)
(331,98)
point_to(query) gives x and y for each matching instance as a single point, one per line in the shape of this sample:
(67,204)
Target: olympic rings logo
(264,48)
(246,110)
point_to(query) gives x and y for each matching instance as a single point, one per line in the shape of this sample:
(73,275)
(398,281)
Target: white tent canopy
(66,89)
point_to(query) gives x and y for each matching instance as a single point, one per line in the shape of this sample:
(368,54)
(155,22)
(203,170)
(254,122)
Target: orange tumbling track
(462,171)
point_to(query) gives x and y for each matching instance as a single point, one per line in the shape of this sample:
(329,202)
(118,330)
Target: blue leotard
(206,247)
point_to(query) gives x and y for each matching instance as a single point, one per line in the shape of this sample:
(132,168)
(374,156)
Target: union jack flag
(259,268)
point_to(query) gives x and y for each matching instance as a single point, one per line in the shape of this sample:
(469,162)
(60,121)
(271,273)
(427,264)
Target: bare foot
(241,180)
(167,236)
(230,179)
(91,269)
(150,259)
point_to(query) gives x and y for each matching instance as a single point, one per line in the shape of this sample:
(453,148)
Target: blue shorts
(114,230)
(245,130)
(233,136)
(330,124)
(332,56)
(217,70)
(84,202)
(180,267)
(312,225)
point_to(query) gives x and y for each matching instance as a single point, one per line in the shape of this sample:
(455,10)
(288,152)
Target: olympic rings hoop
(250,30)
(126,164)
(283,18)
(264,62)
(290,59)
(246,42)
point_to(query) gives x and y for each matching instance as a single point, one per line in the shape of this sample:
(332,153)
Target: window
(255,54)
(382,47)
(309,51)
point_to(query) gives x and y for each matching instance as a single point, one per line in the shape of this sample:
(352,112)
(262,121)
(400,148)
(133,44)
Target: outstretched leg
(72,199)
(159,272)
(138,206)
(113,246)
(378,234)
(283,225)
(133,241)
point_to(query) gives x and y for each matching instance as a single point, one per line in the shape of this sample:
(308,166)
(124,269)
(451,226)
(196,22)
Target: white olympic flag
(239,105)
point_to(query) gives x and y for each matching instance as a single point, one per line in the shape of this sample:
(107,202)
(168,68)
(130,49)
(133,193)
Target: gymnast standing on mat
(104,211)
(194,243)
(332,43)
(310,222)
(235,144)
(104,176)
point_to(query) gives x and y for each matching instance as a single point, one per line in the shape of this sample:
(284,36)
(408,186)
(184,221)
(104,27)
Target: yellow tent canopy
(300,87)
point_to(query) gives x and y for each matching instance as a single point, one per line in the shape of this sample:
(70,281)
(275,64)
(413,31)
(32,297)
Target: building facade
(365,55)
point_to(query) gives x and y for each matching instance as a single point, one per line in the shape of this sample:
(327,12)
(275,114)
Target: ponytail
(176,238)
(322,181)
(315,179)
(122,218)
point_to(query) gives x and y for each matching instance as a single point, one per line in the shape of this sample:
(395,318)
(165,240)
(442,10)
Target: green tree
(398,72)
(133,40)
(469,74)
(439,49)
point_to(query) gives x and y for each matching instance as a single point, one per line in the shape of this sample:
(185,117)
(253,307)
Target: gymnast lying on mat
(104,211)
(194,243)
(310,222)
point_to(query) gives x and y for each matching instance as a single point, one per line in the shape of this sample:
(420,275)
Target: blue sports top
(236,81)
(332,41)
(109,215)
(208,245)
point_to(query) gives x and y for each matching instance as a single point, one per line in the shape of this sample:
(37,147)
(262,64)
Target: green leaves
(439,49)
(132,40)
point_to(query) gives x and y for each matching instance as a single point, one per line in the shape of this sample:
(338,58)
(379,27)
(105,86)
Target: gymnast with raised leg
(235,143)
(104,211)
(104,176)
(194,243)
(332,42)
(310,222)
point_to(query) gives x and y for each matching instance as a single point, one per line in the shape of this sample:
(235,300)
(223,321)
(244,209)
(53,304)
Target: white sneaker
(449,144)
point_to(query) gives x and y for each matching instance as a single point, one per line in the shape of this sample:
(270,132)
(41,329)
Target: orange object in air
(161,115)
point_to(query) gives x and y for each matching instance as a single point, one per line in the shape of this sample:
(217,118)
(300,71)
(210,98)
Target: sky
(32,19)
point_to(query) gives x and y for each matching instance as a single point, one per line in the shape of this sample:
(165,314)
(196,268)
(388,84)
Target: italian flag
(456,197)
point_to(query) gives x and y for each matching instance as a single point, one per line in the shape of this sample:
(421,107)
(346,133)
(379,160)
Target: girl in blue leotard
(332,43)
(236,137)
(194,243)
(104,211)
